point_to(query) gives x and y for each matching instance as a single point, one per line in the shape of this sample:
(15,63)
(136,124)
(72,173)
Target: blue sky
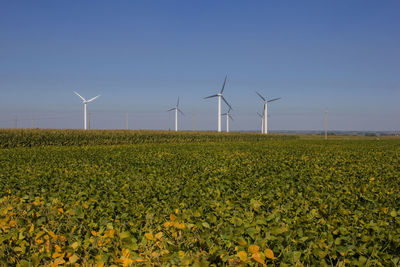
(343,56)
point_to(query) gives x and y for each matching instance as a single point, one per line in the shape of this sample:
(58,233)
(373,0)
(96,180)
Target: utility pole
(326,124)
(127,120)
(32,122)
(89,119)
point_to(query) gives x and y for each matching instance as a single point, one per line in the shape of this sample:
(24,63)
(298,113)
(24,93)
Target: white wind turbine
(84,101)
(228,116)
(265,116)
(219,95)
(176,108)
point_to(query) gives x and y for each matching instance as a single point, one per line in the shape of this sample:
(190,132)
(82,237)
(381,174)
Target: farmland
(159,198)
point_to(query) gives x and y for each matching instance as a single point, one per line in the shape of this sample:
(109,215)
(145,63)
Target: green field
(159,198)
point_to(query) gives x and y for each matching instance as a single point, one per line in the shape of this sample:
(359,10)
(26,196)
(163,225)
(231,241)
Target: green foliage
(253,202)
(10,138)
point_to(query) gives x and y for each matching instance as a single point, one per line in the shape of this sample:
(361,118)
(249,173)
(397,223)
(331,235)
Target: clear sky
(343,56)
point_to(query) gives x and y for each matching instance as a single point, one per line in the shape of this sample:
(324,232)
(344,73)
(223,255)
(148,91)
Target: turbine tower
(265,116)
(85,102)
(228,116)
(262,121)
(219,95)
(176,108)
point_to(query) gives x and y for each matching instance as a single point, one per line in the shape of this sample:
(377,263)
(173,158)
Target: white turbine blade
(80,96)
(260,96)
(171,109)
(210,96)
(223,86)
(230,116)
(226,102)
(180,111)
(274,99)
(259,115)
(90,100)
(224,114)
(177,103)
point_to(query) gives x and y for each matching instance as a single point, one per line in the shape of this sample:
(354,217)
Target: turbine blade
(223,86)
(226,102)
(231,117)
(260,96)
(177,103)
(90,100)
(80,96)
(274,99)
(260,115)
(180,111)
(171,109)
(210,96)
(224,114)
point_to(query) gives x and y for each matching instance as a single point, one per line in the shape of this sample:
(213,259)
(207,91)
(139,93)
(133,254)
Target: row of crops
(274,201)
(28,138)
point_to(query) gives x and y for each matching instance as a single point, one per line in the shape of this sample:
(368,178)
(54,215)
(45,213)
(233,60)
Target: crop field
(197,199)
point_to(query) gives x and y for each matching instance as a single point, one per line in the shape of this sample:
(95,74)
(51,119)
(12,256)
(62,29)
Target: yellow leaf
(176,211)
(58,262)
(168,224)
(253,249)
(58,255)
(31,229)
(172,217)
(242,255)
(127,262)
(149,236)
(57,247)
(257,258)
(73,258)
(181,254)
(126,253)
(52,234)
(75,245)
(109,233)
(159,235)
(269,253)
(93,233)
(60,210)
(242,242)
(180,225)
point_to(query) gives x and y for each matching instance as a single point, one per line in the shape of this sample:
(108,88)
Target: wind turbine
(265,124)
(228,116)
(84,101)
(219,95)
(176,108)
